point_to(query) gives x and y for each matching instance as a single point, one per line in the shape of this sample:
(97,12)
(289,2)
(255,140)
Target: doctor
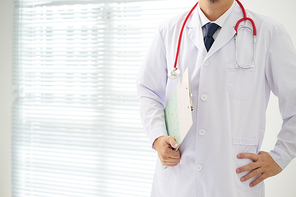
(220,156)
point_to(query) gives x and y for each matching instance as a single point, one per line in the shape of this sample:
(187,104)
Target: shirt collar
(220,21)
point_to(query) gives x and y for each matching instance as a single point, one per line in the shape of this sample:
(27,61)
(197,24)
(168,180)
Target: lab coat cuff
(280,157)
(156,133)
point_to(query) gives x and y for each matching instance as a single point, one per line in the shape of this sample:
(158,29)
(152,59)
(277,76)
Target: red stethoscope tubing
(181,33)
(245,18)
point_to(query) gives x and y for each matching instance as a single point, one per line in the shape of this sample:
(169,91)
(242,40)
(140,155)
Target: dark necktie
(210,30)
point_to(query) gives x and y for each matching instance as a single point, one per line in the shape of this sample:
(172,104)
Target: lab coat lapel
(194,31)
(227,31)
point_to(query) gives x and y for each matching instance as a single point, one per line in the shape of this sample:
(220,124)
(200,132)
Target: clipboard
(178,110)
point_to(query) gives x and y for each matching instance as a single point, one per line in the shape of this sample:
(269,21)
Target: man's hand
(166,154)
(263,165)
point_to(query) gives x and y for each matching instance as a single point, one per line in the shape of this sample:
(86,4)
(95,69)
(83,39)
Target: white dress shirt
(220,21)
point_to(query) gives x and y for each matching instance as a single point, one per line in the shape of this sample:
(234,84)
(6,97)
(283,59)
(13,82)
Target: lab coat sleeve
(281,78)
(151,87)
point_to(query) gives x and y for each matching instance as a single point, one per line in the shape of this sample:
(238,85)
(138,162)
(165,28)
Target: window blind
(76,127)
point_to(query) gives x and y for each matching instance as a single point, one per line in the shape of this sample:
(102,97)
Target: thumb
(172,142)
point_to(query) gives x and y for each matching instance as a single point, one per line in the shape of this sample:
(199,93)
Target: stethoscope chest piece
(174,73)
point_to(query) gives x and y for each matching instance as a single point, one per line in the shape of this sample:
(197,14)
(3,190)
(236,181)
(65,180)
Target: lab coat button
(204,97)
(202,132)
(198,167)
(206,63)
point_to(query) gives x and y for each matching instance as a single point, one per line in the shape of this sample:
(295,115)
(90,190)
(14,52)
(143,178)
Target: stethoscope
(175,72)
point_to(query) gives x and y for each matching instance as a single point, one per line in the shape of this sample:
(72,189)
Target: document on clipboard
(178,110)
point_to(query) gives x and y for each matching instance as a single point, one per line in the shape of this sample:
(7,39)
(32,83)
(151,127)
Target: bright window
(76,124)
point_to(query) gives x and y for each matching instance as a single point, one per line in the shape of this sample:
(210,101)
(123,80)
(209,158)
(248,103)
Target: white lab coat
(229,103)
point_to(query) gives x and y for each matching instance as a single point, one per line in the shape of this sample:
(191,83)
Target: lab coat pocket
(240,82)
(162,173)
(244,145)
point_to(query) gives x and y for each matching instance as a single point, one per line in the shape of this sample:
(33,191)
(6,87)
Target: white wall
(6,13)
(283,11)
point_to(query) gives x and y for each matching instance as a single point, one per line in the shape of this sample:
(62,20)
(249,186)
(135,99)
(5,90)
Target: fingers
(172,153)
(170,140)
(261,177)
(249,167)
(168,161)
(263,166)
(169,157)
(166,154)
(252,174)
(251,156)
(258,180)
(162,141)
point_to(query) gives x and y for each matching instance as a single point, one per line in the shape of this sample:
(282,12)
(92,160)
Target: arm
(151,86)
(280,73)
(280,76)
